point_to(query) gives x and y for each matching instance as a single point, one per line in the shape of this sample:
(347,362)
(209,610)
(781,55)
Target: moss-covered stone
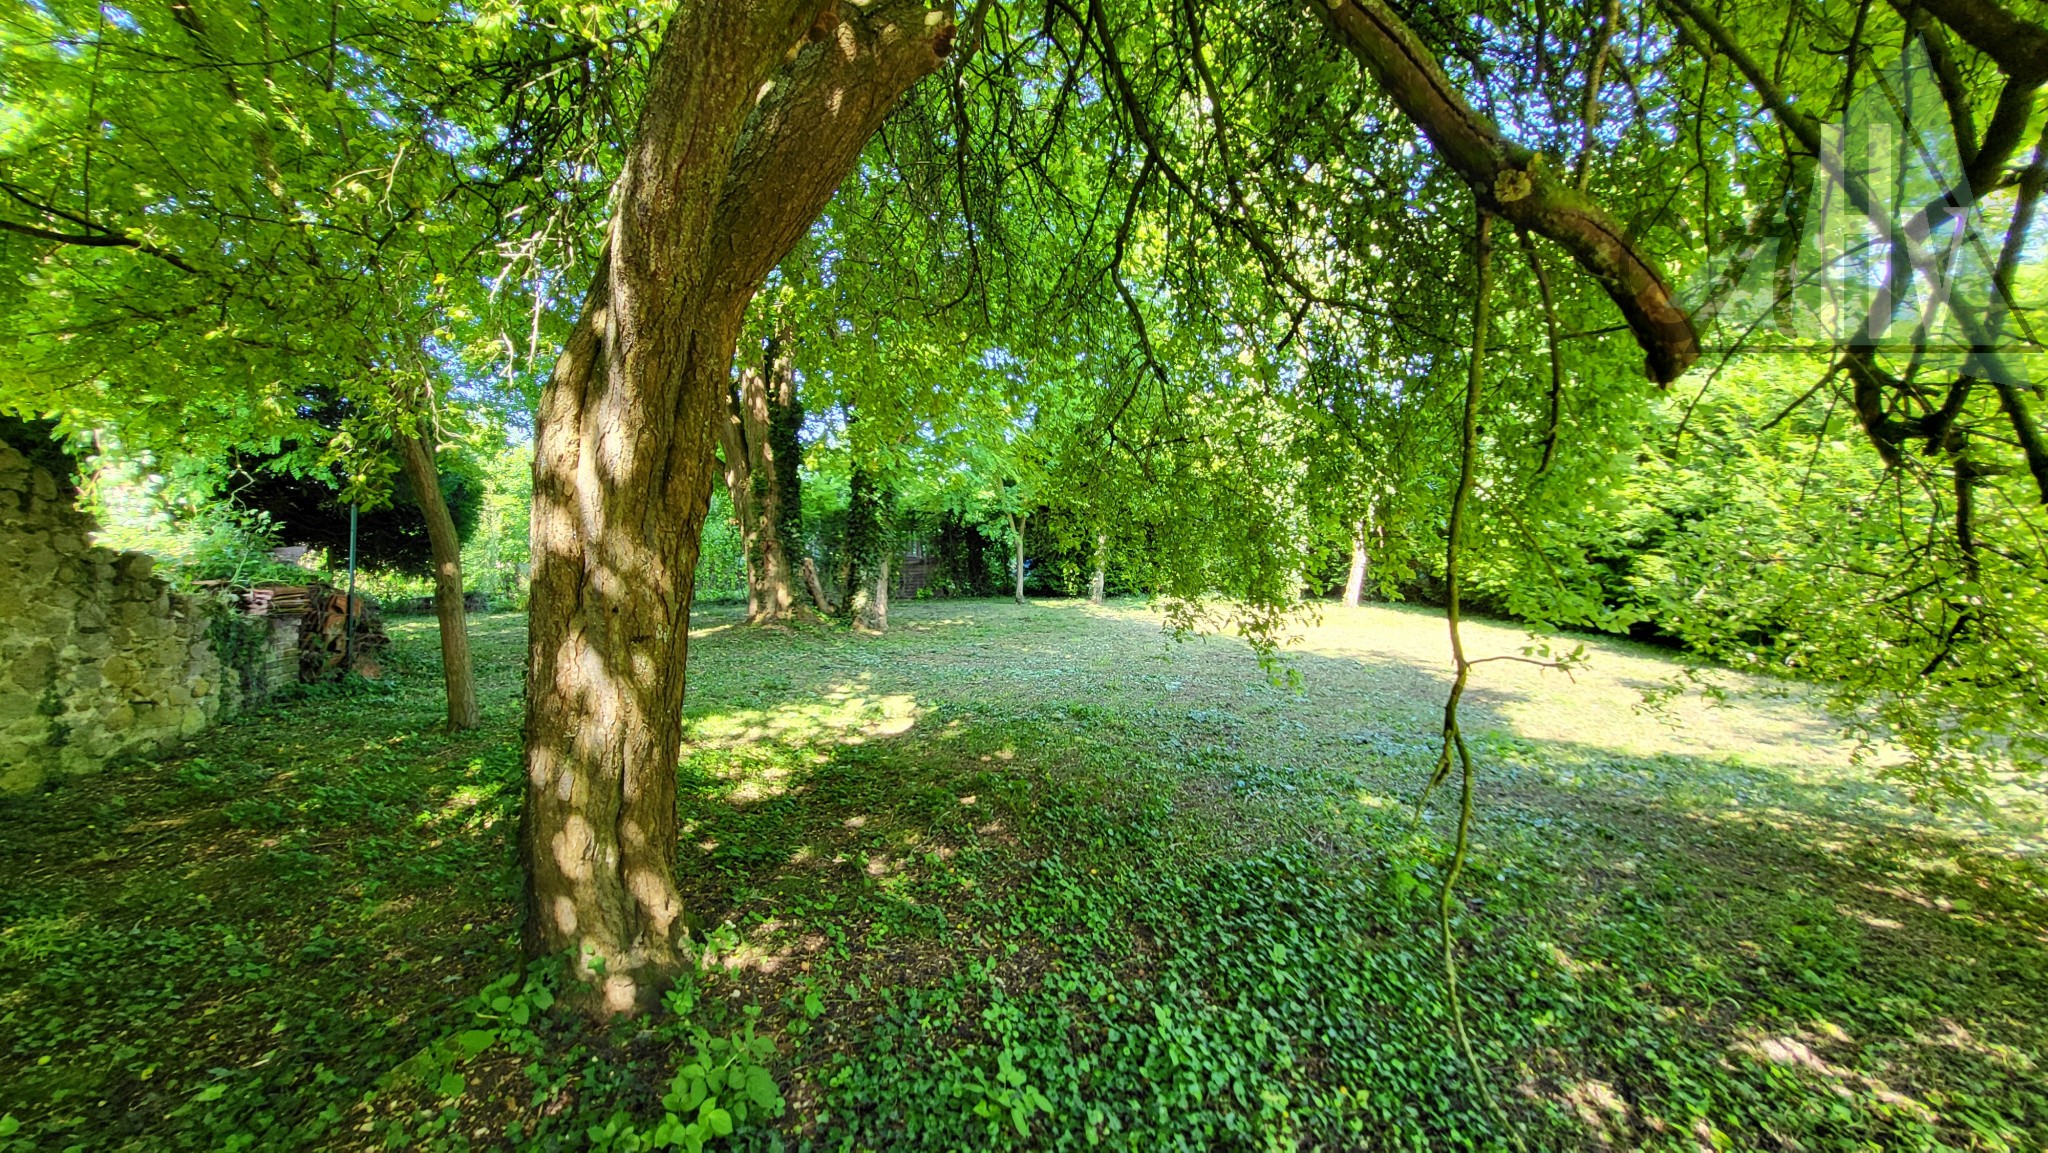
(99,659)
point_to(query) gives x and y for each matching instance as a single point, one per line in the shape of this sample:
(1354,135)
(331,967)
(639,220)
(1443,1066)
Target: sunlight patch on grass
(848,713)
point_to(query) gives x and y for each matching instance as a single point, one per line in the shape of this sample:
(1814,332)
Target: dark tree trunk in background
(866,574)
(754,113)
(759,439)
(457,673)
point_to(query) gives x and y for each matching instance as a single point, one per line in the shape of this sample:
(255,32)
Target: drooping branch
(1516,183)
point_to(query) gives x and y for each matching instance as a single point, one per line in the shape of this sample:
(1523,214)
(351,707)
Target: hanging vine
(1454,745)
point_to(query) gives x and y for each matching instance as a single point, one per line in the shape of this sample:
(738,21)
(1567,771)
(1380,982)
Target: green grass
(1039,877)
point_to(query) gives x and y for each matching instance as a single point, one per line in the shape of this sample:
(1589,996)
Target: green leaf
(720,1122)
(8,1125)
(452,1085)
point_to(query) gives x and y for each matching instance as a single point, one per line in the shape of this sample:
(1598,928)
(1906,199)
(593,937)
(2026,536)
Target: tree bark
(458,676)
(1098,580)
(1354,582)
(1513,181)
(758,440)
(754,112)
(875,615)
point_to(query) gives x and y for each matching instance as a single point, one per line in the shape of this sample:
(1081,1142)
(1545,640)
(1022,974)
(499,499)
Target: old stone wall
(99,659)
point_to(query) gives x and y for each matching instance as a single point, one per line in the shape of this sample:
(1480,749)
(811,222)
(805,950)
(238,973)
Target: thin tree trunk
(1017,523)
(744,133)
(457,674)
(1099,579)
(817,590)
(759,445)
(1354,582)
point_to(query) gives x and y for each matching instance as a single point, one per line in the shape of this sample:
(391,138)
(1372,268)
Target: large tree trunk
(745,132)
(758,439)
(1354,581)
(458,676)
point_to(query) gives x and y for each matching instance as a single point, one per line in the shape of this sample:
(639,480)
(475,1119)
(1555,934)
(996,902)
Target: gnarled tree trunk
(754,112)
(458,676)
(758,439)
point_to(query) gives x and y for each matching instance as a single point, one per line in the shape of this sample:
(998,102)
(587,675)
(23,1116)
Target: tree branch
(99,240)
(1514,182)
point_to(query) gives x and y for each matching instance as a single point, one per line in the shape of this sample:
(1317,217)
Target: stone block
(38,560)
(120,670)
(34,667)
(20,777)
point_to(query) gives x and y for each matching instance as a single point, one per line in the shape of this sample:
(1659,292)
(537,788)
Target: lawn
(1040,876)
